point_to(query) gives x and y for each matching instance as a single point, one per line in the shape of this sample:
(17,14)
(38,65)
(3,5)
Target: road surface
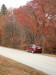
(40,62)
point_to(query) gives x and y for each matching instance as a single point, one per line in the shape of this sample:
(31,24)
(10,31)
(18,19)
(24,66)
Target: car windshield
(33,46)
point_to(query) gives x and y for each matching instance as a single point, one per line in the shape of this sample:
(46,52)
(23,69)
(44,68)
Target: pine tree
(3,9)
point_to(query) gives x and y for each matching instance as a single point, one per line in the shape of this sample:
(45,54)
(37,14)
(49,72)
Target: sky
(13,3)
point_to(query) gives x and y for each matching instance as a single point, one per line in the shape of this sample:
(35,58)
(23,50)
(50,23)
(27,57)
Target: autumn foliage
(33,23)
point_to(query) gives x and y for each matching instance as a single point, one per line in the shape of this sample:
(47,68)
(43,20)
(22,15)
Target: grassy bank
(10,67)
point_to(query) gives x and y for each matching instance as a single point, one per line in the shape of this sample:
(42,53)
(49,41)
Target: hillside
(33,23)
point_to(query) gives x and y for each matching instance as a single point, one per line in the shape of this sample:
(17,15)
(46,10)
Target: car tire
(32,51)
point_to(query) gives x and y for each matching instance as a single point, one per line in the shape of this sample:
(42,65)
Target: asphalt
(40,62)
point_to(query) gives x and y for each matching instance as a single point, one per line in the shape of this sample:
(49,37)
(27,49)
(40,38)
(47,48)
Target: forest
(33,23)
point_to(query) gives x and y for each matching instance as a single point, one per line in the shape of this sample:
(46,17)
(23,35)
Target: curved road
(40,62)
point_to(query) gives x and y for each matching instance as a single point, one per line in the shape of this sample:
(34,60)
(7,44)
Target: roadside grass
(10,67)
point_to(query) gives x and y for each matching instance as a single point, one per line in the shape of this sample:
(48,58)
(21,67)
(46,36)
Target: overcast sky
(13,3)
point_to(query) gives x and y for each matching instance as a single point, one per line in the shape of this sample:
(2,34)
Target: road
(40,62)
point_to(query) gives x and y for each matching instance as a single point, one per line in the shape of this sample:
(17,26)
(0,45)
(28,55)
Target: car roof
(36,45)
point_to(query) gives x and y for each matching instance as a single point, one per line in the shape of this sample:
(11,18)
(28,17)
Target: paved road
(40,62)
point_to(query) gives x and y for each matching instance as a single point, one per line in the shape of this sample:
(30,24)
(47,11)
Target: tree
(32,23)
(3,9)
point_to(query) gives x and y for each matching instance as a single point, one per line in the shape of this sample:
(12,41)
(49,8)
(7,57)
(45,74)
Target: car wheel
(32,51)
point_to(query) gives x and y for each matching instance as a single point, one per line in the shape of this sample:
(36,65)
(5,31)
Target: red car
(35,49)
